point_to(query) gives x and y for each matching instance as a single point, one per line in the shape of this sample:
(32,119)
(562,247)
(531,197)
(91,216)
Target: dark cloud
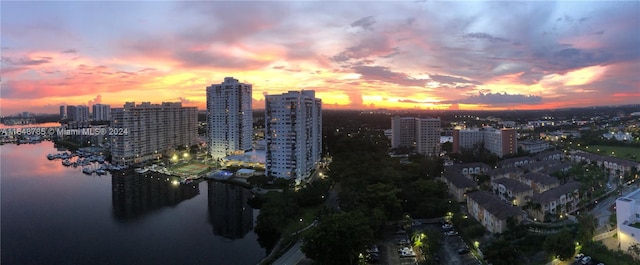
(451,79)
(70,51)
(572,58)
(396,51)
(497,99)
(24,61)
(380,73)
(484,36)
(365,23)
(370,46)
(406,100)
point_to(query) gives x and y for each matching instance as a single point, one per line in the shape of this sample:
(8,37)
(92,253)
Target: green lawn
(308,215)
(630,153)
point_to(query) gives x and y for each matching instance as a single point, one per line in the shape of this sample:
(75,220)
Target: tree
(502,252)
(338,238)
(559,245)
(586,226)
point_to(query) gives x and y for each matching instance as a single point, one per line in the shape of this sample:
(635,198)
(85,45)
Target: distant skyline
(354,54)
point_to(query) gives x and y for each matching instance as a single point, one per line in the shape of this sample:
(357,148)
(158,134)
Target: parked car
(447,226)
(450,233)
(579,256)
(372,249)
(585,260)
(373,258)
(463,250)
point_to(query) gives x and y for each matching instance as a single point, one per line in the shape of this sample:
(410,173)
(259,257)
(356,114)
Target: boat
(66,162)
(87,170)
(51,156)
(101,172)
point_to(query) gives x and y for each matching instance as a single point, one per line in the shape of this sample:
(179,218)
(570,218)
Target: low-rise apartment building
(556,201)
(539,182)
(459,185)
(491,211)
(511,190)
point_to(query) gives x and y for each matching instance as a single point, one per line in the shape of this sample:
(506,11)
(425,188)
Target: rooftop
(512,185)
(609,159)
(543,179)
(508,162)
(555,193)
(459,180)
(494,205)
(539,165)
(503,170)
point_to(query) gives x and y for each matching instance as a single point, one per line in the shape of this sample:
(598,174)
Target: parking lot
(450,254)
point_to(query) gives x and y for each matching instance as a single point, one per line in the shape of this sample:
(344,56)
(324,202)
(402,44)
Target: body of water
(53,214)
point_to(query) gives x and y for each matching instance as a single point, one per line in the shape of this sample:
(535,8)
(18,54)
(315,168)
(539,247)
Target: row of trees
(278,209)
(375,191)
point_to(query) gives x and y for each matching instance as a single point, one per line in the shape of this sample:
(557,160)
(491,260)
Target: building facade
(628,218)
(148,131)
(63,114)
(498,141)
(403,132)
(423,134)
(78,113)
(229,117)
(534,147)
(293,134)
(428,136)
(101,112)
(491,211)
(556,201)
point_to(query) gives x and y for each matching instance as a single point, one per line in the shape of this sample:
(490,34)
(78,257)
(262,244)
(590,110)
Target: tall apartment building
(403,132)
(628,218)
(78,113)
(421,134)
(498,141)
(230,118)
(101,112)
(428,136)
(151,130)
(293,134)
(71,112)
(63,114)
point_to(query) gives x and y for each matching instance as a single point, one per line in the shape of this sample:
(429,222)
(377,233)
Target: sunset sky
(354,54)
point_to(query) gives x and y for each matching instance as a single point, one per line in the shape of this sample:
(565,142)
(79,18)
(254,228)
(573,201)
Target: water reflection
(134,195)
(229,213)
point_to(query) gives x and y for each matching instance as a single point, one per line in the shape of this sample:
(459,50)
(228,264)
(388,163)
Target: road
(291,257)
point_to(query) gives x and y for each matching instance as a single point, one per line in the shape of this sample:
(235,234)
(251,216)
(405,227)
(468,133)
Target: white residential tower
(293,134)
(229,117)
